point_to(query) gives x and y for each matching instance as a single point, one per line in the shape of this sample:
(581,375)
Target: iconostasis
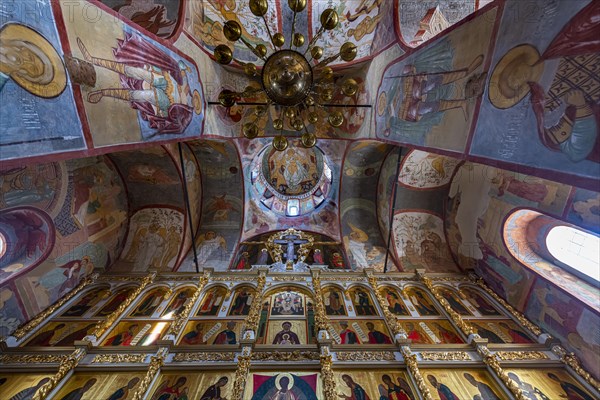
(260,335)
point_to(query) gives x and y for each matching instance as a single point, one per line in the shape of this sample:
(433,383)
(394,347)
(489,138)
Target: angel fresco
(211,246)
(152,82)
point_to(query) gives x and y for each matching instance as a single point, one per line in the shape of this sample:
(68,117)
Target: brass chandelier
(294,87)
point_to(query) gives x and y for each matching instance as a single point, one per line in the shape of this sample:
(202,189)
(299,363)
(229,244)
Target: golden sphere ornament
(259,7)
(278,39)
(298,39)
(348,51)
(232,30)
(223,54)
(250,130)
(329,19)
(297,5)
(336,119)
(316,52)
(280,143)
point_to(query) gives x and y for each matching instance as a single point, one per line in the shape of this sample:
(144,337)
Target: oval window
(576,249)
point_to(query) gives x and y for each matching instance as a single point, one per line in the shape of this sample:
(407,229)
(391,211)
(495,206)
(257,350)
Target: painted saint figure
(443,391)
(356,391)
(347,335)
(227,336)
(78,393)
(291,337)
(152,82)
(390,391)
(214,391)
(44,338)
(166,392)
(377,337)
(30,391)
(194,337)
(123,392)
(124,337)
(485,391)
(572,392)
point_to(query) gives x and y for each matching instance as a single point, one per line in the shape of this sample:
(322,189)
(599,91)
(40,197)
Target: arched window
(556,250)
(576,250)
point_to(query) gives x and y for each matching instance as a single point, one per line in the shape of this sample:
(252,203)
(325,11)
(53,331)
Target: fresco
(360,229)
(155,234)
(281,385)
(501,331)
(88,386)
(150,92)
(568,320)
(22,386)
(204,22)
(62,333)
(385,190)
(538,107)
(544,383)
(420,242)
(11,313)
(461,384)
(431,332)
(222,205)
(419,21)
(31,92)
(36,185)
(379,384)
(360,332)
(211,332)
(136,333)
(159,17)
(322,218)
(193,385)
(429,97)
(584,210)
(422,170)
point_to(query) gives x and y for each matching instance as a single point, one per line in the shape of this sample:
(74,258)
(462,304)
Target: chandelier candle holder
(294,87)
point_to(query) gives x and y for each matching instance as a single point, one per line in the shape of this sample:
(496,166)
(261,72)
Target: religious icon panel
(501,331)
(479,302)
(115,301)
(136,333)
(193,385)
(334,302)
(421,301)
(210,332)
(178,302)
(363,302)
(461,384)
(98,385)
(374,384)
(22,386)
(284,386)
(62,333)
(395,304)
(360,332)
(242,300)
(212,301)
(543,384)
(150,303)
(288,303)
(431,332)
(285,333)
(86,302)
(454,300)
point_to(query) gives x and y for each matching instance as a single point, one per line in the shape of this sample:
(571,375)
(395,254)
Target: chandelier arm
(252,48)
(314,39)
(293,29)
(327,60)
(268,30)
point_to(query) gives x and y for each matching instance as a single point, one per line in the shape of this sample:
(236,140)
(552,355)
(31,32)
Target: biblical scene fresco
(35,85)
(422,170)
(421,302)
(62,333)
(211,332)
(136,333)
(86,302)
(61,220)
(568,320)
(461,384)
(420,21)
(149,91)
(149,303)
(193,385)
(153,241)
(501,331)
(320,211)
(11,314)
(385,188)
(360,332)
(360,229)
(212,301)
(282,385)
(546,85)
(376,384)
(222,205)
(431,332)
(88,386)
(429,98)
(159,17)
(22,386)
(547,384)
(480,198)
(420,242)
(584,210)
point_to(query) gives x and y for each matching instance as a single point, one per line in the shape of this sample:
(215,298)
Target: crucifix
(290,240)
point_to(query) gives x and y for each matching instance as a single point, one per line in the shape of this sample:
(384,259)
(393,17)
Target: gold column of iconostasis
(263,335)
